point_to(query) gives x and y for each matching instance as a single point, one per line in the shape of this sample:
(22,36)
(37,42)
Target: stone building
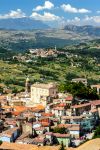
(43,93)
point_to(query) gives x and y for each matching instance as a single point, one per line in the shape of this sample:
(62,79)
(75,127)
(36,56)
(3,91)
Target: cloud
(70,9)
(76,20)
(98,12)
(13,14)
(94,20)
(47,5)
(45,17)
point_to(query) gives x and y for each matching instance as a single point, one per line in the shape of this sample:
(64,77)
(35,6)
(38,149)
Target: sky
(53,12)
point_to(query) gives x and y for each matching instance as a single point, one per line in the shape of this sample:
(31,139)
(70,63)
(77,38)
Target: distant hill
(6,54)
(87,29)
(23,39)
(22,24)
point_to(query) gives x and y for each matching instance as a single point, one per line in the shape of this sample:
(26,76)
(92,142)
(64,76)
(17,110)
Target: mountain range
(24,33)
(22,24)
(87,29)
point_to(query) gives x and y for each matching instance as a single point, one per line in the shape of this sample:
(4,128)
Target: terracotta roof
(20,108)
(3,97)
(70,126)
(69,98)
(45,124)
(74,128)
(61,105)
(61,135)
(93,110)
(36,108)
(16,113)
(49,133)
(81,105)
(64,125)
(95,102)
(48,114)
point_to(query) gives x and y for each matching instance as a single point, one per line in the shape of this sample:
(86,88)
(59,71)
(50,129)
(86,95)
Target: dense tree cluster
(78,90)
(97,132)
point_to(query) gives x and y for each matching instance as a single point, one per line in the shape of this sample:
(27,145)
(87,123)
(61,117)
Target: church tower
(55,48)
(27,85)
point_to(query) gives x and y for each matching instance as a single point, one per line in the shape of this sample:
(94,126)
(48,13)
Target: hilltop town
(43,116)
(49,98)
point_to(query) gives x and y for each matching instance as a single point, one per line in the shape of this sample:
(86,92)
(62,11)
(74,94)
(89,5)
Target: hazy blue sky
(53,11)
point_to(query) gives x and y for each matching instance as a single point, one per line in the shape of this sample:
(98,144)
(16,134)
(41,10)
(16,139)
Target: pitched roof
(95,102)
(61,135)
(81,105)
(69,98)
(48,114)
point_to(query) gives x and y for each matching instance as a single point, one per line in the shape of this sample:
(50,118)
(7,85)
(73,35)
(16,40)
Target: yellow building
(41,93)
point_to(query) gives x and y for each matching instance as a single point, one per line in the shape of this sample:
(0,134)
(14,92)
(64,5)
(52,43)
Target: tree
(62,146)
(60,130)
(97,132)
(0,142)
(78,90)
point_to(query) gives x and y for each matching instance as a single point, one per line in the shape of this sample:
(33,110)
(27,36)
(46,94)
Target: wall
(75,134)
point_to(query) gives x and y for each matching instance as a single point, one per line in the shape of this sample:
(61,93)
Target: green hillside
(73,63)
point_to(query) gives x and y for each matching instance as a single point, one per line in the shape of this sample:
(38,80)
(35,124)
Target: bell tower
(27,85)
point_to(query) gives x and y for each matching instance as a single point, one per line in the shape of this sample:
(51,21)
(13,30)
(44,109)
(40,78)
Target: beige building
(42,93)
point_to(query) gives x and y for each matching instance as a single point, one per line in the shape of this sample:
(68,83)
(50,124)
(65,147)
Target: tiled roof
(95,102)
(64,125)
(81,105)
(58,135)
(61,105)
(70,126)
(93,110)
(3,97)
(45,124)
(48,133)
(16,113)
(48,114)
(69,98)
